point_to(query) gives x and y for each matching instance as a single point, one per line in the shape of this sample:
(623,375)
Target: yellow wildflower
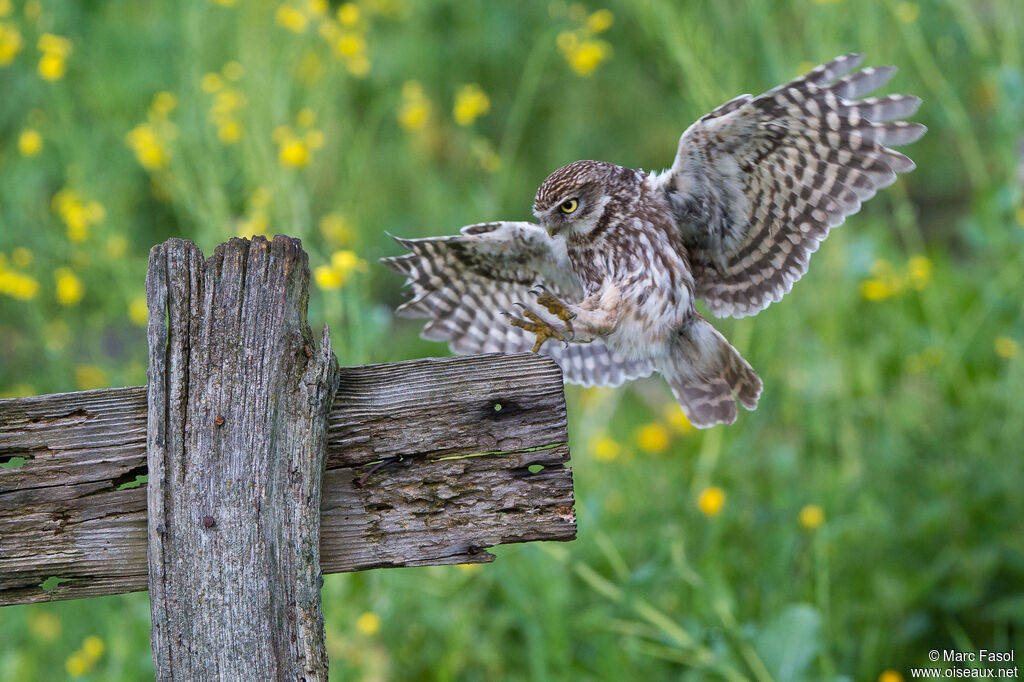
(225,3)
(335,275)
(812,516)
(89,377)
(587,55)
(335,229)
(69,288)
(163,104)
(350,44)
(347,262)
(415,110)
(138,311)
(676,418)
(652,438)
(604,448)
(1007,347)
(876,290)
(150,148)
(30,142)
(291,19)
(600,21)
(22,257)
(15,284)
(468,568)
(316,8)
(294,153)
(907,12)
(44,625)
(368,623)
(890,676)
(225,102)
(93,647)
(55,51)
(348,14)
(78,215)
(6,7)
(471,102)
(54,44)
(211,82)
(229,132)
(1019,215)
(77,665)
(10,42)
(328,278)
(51,68)
(919,271)
(711,500)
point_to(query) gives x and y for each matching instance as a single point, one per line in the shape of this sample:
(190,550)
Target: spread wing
(462,284)
(757,184)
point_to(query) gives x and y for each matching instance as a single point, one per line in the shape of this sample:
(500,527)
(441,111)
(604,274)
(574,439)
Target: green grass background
(900,417)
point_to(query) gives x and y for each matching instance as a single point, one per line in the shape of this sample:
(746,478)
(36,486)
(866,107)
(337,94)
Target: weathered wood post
(427,462)
(239,394)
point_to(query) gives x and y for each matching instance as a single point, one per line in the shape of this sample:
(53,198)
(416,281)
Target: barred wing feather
(462,284)
(758,183)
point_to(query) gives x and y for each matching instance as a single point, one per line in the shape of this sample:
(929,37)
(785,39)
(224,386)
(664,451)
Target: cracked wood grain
(238,395)
(62,515)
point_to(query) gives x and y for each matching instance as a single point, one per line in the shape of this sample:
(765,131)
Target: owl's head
(577,198)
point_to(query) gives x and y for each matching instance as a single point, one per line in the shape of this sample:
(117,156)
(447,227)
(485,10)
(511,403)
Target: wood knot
(218,420)
(209,522)
(308,351)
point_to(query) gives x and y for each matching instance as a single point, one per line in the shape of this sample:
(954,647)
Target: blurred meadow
(869,511)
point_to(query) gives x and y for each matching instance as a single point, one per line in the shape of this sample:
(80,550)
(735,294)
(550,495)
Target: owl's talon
(536,324)
(554,306)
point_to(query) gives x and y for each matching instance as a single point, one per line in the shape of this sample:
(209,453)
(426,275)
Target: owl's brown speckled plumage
(619,256)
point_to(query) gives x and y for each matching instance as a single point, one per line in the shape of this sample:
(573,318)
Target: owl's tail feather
(708,376)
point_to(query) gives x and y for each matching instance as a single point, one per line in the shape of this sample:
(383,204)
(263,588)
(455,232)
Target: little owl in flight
(617,258)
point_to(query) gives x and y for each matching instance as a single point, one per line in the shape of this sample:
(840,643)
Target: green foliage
(893,372)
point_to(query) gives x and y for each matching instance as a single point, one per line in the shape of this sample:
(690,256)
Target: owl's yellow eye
(569,206)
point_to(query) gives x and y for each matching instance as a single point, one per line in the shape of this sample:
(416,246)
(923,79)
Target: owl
(606,280)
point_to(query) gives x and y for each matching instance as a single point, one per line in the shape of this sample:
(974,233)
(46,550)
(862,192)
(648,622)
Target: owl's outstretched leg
(537,325)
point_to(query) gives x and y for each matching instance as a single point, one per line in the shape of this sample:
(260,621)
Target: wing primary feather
(757,184)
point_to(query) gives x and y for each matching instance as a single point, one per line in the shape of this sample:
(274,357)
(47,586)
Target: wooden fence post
(238,398)
(428,462)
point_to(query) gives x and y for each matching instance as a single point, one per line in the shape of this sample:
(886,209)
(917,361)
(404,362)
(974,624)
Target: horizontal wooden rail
(428,462)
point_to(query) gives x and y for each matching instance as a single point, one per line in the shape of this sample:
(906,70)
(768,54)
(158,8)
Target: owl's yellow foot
(555,307)
(536,324)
